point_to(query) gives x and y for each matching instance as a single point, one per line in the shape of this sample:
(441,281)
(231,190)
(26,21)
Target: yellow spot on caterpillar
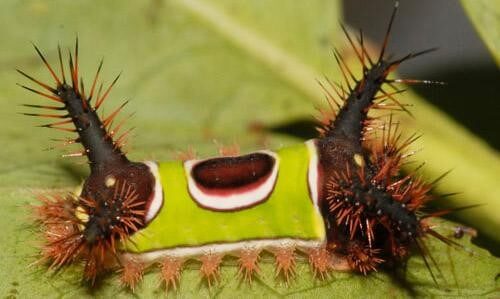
(110,181)
(359,160)
(82,215)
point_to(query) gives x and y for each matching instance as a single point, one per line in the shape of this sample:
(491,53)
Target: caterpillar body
(339,199)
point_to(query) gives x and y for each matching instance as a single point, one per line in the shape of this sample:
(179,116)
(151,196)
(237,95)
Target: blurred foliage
(485,15)
(199,71)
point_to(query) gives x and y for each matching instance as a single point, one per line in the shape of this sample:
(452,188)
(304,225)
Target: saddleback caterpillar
(339,199)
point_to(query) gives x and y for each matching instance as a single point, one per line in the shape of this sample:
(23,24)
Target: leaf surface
(199,71)
(485,15)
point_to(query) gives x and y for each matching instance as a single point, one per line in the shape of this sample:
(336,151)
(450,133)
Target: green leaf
(198,71)
(468,272)
(485,15)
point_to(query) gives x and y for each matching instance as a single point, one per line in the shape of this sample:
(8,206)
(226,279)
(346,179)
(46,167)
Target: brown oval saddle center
(233,172)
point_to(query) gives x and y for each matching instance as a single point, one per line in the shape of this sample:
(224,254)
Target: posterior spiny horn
(368,92)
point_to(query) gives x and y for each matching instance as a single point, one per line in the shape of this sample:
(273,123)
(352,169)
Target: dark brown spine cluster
(114,197)
(373,207)
(373,213)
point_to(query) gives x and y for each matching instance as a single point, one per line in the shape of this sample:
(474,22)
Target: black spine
(349,123)
(98,145)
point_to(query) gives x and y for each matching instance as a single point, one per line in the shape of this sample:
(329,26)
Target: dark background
(471,95)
